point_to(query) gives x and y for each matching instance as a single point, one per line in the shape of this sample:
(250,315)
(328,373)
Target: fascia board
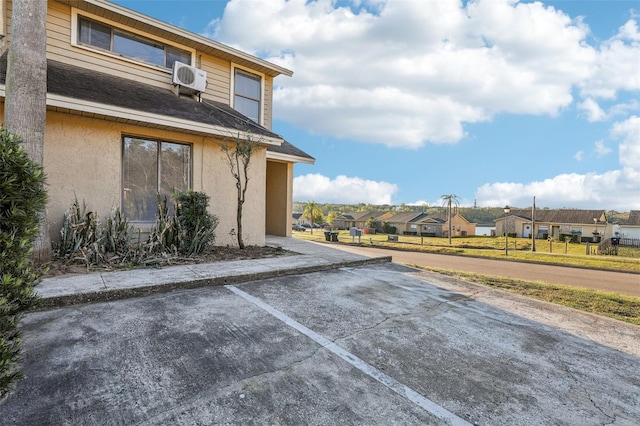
(289,158)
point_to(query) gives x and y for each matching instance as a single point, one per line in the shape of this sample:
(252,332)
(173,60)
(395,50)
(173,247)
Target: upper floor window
(149,168)
(128,44)
(247,89)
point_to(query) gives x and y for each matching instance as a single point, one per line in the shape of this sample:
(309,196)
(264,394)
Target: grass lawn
(612,305)
(556,253)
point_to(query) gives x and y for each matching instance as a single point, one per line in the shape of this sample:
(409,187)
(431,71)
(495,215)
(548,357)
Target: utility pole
(533,225)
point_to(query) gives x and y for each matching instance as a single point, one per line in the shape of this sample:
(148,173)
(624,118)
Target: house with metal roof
(137,107)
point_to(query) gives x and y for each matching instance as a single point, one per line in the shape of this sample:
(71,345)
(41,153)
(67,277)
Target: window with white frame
(127,44)
(247,94)
(149,168)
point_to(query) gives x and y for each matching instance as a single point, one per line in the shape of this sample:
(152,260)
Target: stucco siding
(213,176)
(83,159)
(279,192)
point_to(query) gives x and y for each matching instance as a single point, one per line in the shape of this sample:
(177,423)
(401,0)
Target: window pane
(175,54)
(248,107)
(140,179)
(175,168)
(137,47)
(247,85)
(94,34)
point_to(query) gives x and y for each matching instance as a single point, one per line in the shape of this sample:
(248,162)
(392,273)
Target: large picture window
(247,88)
(150,168)
(127,44)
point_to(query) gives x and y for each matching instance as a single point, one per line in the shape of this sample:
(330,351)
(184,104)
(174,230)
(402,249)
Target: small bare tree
(238,153)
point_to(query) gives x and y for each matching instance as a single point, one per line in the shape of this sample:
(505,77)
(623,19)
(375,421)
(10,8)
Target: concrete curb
(145,290)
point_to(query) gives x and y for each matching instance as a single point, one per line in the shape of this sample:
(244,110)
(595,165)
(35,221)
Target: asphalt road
(617,282)
(373,345)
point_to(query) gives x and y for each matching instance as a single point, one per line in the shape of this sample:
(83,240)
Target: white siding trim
(289,158)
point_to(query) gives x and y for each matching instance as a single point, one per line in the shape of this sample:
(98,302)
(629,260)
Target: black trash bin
(327,235)
(334,237)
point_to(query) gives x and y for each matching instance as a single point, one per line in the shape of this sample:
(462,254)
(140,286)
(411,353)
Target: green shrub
(196,223)
(80,236)
(85,239)
(22,198)
(387,228)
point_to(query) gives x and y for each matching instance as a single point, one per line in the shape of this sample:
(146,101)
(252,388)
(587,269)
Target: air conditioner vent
(187,76)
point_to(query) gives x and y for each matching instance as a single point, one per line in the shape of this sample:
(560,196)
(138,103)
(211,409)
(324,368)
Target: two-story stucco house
(136,106)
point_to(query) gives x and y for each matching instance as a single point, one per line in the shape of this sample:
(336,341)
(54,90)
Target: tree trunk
(26,92)
(239,219)
(450,224)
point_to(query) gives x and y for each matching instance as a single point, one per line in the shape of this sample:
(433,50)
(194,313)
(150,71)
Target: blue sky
(402,101)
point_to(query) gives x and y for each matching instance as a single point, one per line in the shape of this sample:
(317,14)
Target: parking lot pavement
(376,344)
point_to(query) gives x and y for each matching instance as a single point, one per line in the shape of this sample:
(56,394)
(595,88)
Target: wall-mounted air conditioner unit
(187,76)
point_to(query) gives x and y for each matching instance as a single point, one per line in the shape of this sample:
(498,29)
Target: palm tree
(449,200)
(26,92)
(310,212)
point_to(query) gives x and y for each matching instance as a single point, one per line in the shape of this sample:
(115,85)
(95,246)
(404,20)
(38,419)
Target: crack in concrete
(600,409)
(230,388)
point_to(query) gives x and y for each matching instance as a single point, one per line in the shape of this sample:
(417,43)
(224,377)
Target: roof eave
(134,116)
(289,158)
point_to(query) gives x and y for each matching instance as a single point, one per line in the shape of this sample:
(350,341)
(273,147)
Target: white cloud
(413,72)
(629,149)
(600,149)
(616,66)
(342,190)
(615,189)
(592,110)
(578,155)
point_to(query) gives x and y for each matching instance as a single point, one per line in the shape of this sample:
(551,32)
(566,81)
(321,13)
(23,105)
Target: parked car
(299,228)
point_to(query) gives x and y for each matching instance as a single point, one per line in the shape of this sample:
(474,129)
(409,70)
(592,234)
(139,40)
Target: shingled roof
(404,217)
(88,85)
(561,215)
(634,218)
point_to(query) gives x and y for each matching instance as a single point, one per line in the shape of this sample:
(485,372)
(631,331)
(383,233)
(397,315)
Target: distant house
(298,219)
(359,219)
(460,227)
(347,220)
(413,223)
(584,224)
(407,222)
(631,227)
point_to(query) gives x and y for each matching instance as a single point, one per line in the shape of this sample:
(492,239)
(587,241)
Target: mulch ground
(219,254)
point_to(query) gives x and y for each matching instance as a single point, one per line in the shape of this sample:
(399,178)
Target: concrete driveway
(377,344)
